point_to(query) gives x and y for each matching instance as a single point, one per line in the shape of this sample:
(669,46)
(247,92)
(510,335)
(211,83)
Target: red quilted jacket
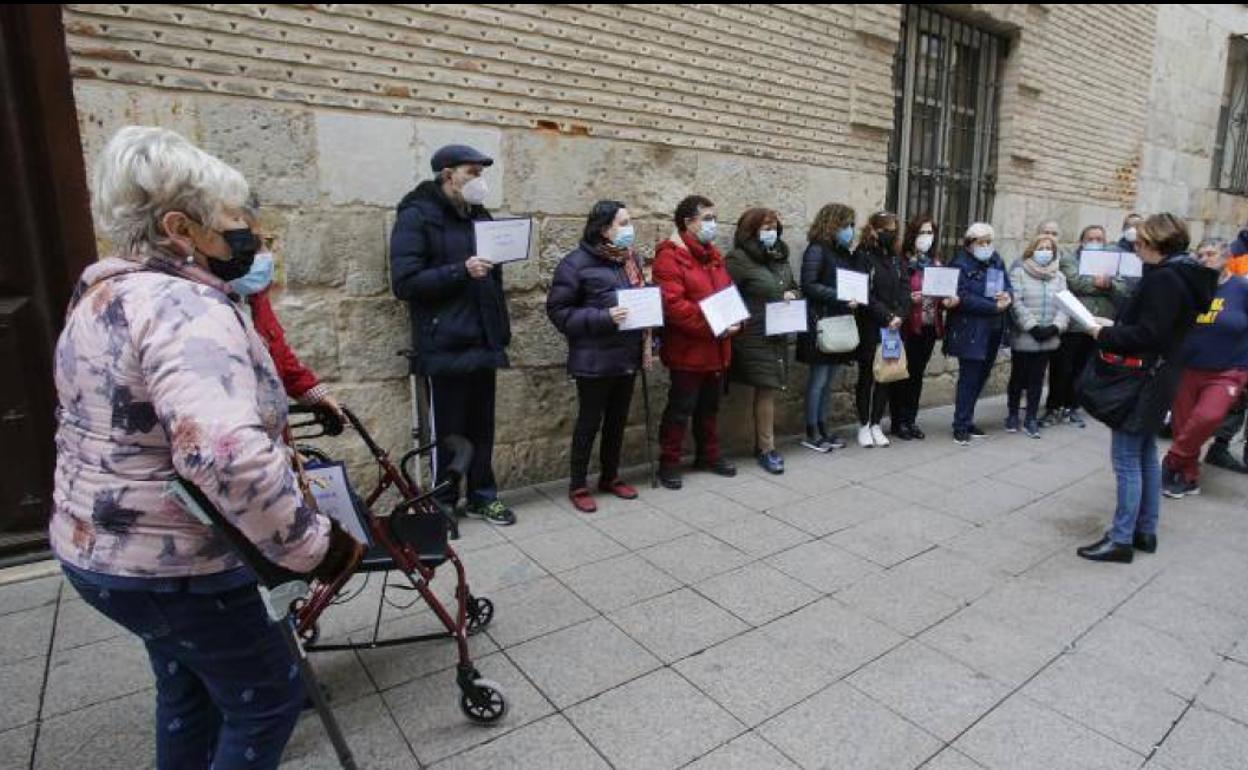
(687,272)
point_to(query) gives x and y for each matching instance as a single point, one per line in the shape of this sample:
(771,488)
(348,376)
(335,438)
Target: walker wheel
(311,635)
(483,702)
(480,613)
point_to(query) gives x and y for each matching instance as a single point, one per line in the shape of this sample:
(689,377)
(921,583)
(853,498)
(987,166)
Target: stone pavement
(918,606)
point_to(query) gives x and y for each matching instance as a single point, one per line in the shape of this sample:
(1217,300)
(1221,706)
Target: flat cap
(457,155)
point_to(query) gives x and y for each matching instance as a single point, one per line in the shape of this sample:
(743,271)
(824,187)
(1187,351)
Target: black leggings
(1027,373)
(1068,363)
(870,397)
(603,403)
(904,396)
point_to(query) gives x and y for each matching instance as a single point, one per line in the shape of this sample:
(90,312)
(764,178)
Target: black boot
(1107,550)
(1145,543)
(720,467)
(1219,456)
(670,478)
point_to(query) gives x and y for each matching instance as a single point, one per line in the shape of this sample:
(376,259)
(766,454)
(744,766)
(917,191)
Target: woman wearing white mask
(977,324)
(1130,230)
(1100,295)
(924,326)
(1038,325)
(301,383)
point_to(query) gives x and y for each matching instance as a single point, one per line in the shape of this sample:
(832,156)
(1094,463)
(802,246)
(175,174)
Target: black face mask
(243,247)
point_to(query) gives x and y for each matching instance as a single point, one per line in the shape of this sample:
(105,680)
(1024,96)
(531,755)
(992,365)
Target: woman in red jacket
(301,383)
(688,268)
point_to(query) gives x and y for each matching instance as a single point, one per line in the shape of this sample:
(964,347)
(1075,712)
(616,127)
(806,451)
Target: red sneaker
(619,489)
(582,500)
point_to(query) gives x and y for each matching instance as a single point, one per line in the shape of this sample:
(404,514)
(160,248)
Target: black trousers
(1027,374)
(870,397)
(603,404)
(904,396)
(1068,363)
(463,405)
(1233,421)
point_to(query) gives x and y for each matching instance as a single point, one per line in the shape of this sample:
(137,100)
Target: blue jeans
(817,387)
(972,377)
(1139,486)
(228,691)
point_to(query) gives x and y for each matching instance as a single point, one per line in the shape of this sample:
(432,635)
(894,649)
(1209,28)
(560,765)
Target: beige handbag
(888,370)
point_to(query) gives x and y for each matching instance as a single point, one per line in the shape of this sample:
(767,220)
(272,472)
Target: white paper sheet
(1130,266)
(1077,311)
(786,317)
(645,307)
(941,281)
(852,286)
(723,309)
(503,240)
(328,485)
(1093,262)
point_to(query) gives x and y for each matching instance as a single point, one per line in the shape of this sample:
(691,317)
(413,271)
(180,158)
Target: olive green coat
(761,276)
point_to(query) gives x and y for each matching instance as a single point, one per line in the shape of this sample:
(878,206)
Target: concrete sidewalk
(917,606)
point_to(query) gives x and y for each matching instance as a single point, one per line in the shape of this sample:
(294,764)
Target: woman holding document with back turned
(603,357)
(1134,379)
(689,269)
(759,265)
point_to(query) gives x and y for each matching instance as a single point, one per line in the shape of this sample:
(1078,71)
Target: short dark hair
(688,208)
(1167,233)
(600,218)
(751,222)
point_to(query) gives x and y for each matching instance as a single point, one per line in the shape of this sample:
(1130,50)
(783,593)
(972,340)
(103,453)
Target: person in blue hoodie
(977,324)
(1219,454)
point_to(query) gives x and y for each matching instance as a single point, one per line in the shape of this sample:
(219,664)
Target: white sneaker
(878,437)
(865,438)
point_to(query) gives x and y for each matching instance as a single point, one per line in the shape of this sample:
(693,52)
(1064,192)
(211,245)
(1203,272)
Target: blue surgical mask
(845,235)
(257,278)
(768,237)
(624,237)
(1094,246)
(1042,257)
(983,253)
(706,233)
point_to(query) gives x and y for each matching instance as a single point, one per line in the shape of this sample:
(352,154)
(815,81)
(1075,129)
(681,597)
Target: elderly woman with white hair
(158,375)
(976,326)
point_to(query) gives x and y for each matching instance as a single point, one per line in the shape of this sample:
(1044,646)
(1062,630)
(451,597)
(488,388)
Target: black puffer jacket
(890,294)
(578,304)
(819,265)
(459,325)
(1152,325)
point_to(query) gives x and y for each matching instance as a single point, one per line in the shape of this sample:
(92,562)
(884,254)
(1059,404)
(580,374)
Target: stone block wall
(332,112)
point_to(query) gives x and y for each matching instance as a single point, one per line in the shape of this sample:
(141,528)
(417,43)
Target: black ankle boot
(1145,543)
(1219,456)
(1107,550)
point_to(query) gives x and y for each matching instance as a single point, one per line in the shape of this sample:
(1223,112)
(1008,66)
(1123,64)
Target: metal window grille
(1230,149)
(942,153)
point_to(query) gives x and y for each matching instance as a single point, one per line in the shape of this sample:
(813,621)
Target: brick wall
(332,112)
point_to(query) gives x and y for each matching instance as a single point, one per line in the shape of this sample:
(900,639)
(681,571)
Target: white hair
(145,172)
(977,231)
(1043,226)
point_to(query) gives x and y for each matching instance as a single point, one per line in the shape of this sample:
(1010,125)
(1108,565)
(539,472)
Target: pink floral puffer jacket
(158,373)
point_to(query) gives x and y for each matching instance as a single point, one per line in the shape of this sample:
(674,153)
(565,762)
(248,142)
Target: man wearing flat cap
(460,325)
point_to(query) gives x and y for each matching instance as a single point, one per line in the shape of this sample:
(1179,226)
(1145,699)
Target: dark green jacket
(761,276)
